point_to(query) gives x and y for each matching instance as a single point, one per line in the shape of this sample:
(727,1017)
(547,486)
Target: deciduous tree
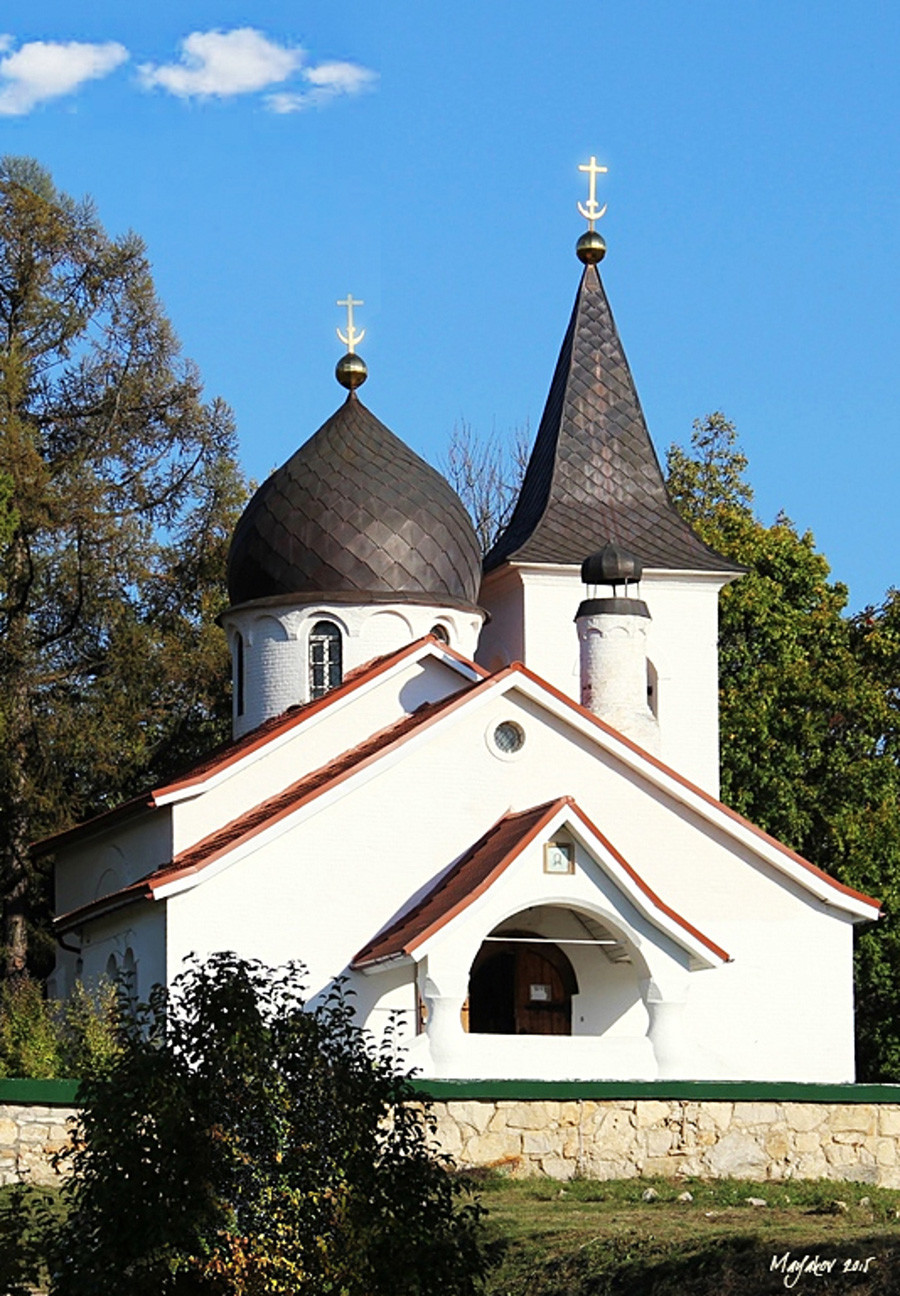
(810,738)
(486,473)
(118,491)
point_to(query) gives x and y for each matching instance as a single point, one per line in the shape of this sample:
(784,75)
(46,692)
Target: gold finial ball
(590,248)
(351,371)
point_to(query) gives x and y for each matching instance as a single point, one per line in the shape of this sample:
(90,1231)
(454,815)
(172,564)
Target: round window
(509,737)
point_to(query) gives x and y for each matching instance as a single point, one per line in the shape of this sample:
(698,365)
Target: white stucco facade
(270,645)
(532,613)
(495,822)
(729,957)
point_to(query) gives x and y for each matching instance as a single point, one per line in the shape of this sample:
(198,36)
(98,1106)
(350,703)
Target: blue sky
(424,156)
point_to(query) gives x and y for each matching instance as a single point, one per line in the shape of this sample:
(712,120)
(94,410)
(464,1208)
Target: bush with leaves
(44,1039)
(246,1143)
(29,1216)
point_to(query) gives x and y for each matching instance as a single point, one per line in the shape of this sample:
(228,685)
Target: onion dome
(355,516)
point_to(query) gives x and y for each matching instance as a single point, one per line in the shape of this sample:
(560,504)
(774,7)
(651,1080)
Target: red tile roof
(231,752)
(692,787)
(314,783)
(480,866)
(471,875)
(268,812)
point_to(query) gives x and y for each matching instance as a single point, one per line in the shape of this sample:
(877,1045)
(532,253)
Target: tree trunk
(15,864)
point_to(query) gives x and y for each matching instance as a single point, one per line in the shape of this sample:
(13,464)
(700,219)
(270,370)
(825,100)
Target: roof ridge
(312,783)
(270,810)
(727,810)
(408,931)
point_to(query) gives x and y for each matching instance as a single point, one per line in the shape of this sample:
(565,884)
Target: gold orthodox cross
(352,336)
(591,212)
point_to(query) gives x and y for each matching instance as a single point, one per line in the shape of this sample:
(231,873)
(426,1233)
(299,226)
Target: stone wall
(623,1139)
(29,1137)
(613,1138)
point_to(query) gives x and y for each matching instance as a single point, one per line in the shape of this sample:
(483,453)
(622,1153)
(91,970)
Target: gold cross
(352,336)
(590,213)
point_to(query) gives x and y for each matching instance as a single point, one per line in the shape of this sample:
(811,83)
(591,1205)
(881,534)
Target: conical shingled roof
(593,476)
(355,513)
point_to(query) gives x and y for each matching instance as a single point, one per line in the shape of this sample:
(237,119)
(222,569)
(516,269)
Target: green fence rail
(64,1093)
(689,1090)
(40,1093)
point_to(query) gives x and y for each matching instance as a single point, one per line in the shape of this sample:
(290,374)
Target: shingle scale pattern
(593,475)
(355,510)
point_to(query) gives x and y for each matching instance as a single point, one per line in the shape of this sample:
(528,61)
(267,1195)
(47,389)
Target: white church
(484,792)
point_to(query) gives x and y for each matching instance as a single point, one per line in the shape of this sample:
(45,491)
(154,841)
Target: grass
(587,1238)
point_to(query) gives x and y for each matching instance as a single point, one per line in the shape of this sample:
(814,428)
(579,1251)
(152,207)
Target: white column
(444,999)
(666,1031)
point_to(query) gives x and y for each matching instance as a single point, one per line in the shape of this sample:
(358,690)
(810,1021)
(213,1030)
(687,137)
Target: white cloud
(224,63)
(43,70)
(327,81)
(340,78)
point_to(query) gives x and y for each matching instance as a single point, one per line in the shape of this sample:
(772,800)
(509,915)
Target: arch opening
(521,984)
(553,969)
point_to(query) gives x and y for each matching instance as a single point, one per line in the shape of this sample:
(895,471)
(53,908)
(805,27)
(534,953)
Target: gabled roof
(593,476)
(264,735)
(262,816)
(472,873)
(376,748)
(480,866)
(707,806)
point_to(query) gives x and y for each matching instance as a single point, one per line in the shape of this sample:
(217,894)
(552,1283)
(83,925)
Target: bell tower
(593,480)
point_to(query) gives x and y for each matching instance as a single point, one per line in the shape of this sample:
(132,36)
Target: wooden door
(543,1004)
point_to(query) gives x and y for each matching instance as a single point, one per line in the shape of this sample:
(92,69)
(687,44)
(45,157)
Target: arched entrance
(521,985)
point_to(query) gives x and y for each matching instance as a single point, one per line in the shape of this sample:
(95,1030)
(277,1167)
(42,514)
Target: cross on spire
(352,336)
(591,212)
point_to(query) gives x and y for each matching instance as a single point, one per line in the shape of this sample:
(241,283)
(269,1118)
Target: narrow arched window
(652,688)
(325,658)
(239,674)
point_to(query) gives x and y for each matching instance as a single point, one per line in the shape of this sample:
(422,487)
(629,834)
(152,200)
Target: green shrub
(28,1218)
(88,1024)
(43,1039)
(30,1043)
(244,1143)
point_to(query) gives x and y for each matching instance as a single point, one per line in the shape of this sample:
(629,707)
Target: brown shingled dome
(355,512)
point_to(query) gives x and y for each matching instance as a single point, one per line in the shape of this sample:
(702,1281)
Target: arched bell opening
(521,984)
